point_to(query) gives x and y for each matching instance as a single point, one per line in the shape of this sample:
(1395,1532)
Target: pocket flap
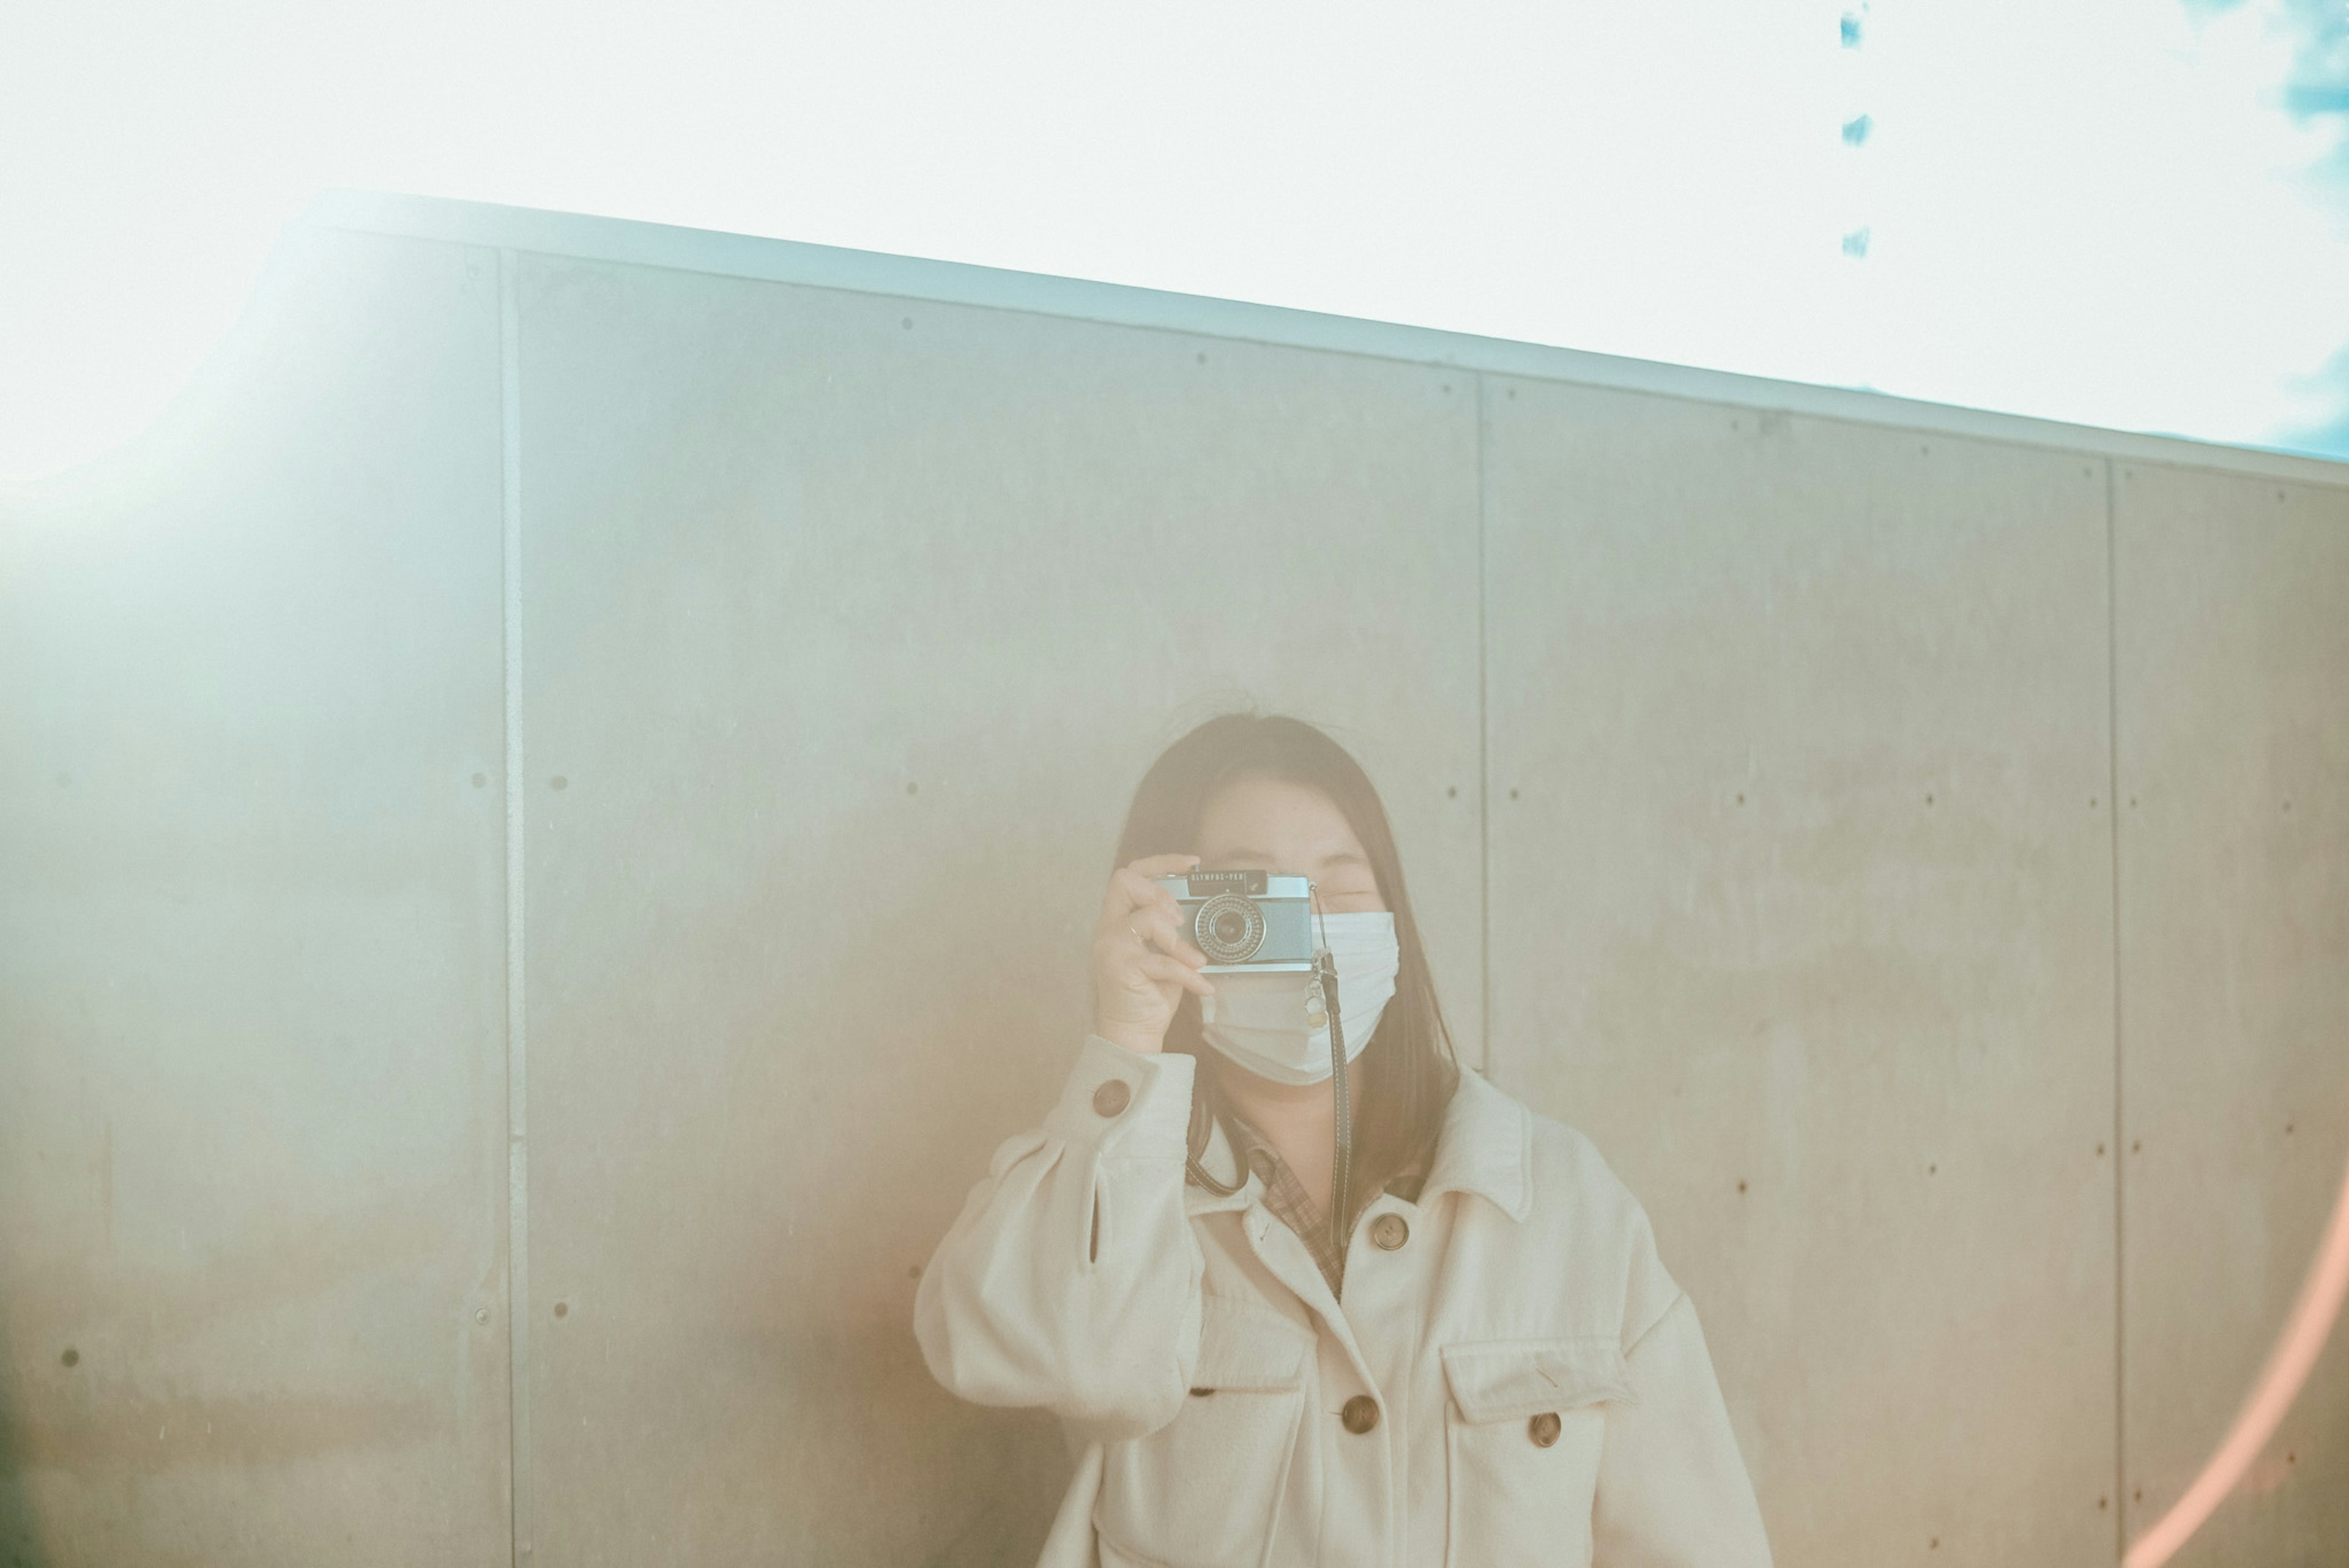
(1243,1348)
(1497,1380)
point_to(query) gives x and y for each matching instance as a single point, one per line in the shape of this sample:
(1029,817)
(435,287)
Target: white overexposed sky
(2103,211)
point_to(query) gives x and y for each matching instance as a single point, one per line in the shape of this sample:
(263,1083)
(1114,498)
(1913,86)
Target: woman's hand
(1142,964)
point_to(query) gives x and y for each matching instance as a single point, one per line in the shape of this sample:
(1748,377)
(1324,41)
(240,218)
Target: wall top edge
(635,243)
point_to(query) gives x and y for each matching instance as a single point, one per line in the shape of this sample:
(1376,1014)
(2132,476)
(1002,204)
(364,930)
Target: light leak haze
(2123,213)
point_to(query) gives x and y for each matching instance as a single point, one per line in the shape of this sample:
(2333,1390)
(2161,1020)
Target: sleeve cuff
(1126,1104)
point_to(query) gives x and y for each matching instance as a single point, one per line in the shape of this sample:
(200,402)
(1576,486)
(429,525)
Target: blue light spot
(1850,31)
(1854,243)
(1855,132)
(2303,100)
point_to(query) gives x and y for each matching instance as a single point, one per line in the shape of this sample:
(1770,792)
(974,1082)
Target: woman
(1486,1366)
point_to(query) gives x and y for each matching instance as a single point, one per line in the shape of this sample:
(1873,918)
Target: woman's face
(1258,824)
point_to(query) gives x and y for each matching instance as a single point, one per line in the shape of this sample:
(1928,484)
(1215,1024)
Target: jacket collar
(1485,1147)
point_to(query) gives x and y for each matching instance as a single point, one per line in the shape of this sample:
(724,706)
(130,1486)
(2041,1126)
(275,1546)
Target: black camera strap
(1342,1167)
(1342,1164)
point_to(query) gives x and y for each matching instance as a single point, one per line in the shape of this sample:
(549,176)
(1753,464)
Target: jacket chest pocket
(1202,1491)
(1522,1434)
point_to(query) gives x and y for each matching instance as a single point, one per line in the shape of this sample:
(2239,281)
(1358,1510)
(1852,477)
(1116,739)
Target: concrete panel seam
(1483,759)
(2113,795)
(517,1035)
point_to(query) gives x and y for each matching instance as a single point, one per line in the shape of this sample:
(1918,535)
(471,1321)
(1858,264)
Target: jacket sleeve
(1672,1489)
(1070,1279)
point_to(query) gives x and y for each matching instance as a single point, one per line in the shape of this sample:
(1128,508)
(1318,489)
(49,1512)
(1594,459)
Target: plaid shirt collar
(1286,1196)
(1485,1147)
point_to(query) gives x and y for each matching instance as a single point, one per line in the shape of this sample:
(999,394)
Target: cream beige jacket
(1512,1378)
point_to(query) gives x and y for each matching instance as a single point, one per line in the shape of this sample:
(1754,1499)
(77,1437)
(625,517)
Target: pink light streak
(2288,1367)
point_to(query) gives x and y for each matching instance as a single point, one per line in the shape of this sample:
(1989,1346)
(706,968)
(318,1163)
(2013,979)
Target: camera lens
(1229,928)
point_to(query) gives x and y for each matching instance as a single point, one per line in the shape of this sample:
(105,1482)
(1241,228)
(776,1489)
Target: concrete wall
(2232,648)
(552,810)
(253,1151)
(1803,909)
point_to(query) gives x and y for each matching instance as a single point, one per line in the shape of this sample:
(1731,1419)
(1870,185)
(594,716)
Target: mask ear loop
(1342,1164)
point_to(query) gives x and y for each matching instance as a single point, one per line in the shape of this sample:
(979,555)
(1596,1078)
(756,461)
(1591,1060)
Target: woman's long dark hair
(1408,1069)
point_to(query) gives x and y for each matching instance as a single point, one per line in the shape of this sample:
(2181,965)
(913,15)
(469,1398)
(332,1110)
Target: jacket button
(1112,1097)
(1388,1231)
(1361,1413)
(1542,1429)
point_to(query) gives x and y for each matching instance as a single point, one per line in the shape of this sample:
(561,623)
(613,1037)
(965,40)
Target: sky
(2123,213)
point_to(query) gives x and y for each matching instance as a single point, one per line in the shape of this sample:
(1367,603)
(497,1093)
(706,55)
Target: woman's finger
(1130,886)
(1174,971)
(1140,878)
(1165,930)
(1147,894)
(1139,891)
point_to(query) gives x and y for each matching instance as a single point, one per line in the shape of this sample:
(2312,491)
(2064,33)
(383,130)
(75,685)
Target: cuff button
(1112,1098)
(1542,1429)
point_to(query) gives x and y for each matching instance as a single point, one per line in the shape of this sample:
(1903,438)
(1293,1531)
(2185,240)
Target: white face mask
(1273,1023)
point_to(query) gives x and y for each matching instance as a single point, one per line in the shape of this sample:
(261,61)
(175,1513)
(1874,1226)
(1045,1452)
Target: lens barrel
(1228,928)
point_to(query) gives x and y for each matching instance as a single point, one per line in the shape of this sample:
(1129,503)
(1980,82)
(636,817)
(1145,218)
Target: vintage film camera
(1252,920)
